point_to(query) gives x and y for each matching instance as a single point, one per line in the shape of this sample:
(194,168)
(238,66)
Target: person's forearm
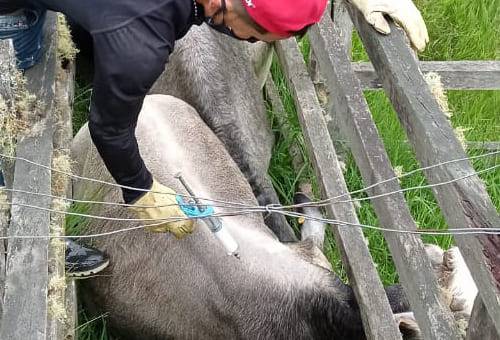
(120,154)
(125,70)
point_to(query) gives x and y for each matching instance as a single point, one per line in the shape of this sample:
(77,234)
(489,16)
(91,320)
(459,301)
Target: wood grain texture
(487,146)
(7,65)
(344,29)
(25,301)
(57,324)
(455,75)
(480,324)
(371,297)
(71,311)
(8,81)
(351,109)
(343,24)
(465,204)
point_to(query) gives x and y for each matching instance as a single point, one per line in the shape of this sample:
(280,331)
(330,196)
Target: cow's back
(157,285)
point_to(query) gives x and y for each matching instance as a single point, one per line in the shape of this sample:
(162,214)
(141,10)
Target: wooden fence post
(455,75)
(8,70)
(371,297)
(7,66)
(480,325)
(367,148)
(25,301)
(465,203)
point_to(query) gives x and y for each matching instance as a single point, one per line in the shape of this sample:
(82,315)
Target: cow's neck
(325,310)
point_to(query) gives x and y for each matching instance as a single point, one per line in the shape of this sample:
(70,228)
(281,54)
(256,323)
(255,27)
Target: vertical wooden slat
(408,253)
(343,24)
(344,29)
(480,323)
(374,306)
(60,319)
(465,203)
(7,66)
(71,311)
(7,83)
(25,301)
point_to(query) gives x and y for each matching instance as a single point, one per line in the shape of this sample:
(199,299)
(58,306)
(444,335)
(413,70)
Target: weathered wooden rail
(465,204)
(32,281)
(455,75)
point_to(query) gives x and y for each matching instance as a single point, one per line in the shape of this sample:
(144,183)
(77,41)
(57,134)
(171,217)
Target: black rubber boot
(83,261)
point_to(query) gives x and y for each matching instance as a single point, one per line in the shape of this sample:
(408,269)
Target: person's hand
(161,206)
(403,12)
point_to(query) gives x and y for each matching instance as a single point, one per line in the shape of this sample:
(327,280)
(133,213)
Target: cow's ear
(308,251)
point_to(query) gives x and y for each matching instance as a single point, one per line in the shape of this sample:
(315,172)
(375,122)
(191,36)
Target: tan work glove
(166,206)
(402,12)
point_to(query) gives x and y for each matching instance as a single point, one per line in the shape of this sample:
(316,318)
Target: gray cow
(162,288)
(217,76)
(221,78)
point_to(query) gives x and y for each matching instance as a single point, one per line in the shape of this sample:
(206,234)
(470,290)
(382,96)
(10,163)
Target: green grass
(91,328)
(75,225)
(81,104)
(459,30)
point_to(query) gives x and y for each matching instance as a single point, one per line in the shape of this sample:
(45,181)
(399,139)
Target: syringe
(197,209)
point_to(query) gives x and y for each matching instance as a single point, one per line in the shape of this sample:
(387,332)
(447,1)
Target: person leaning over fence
(132,43)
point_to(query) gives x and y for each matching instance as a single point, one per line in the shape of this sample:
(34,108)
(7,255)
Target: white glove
(402,12)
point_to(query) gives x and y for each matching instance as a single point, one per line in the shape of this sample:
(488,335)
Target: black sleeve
(127,62)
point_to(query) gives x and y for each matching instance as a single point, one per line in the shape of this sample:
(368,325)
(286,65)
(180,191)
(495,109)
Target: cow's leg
(311,229)
(253,162)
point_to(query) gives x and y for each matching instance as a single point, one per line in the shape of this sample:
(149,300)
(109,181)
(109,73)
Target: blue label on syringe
(193,210)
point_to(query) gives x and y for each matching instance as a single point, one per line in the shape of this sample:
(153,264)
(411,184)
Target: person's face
(225,20)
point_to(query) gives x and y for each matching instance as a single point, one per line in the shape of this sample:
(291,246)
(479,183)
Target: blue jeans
(25,28)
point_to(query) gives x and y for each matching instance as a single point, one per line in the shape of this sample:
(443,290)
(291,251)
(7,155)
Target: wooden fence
(465,204)
(32,281)
(31,265)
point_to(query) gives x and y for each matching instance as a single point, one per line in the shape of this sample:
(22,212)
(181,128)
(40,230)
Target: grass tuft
(66,49)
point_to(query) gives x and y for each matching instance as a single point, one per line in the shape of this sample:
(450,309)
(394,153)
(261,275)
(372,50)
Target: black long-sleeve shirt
(132,42)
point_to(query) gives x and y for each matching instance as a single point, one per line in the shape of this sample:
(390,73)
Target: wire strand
(419,231)
(249,209)
(235,205)
(268,208)
(429,186)
(72,200)
(113,232)
(329,200)
(83,178)
(105,218)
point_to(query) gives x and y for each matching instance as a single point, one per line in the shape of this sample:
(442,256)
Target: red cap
(285,16)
